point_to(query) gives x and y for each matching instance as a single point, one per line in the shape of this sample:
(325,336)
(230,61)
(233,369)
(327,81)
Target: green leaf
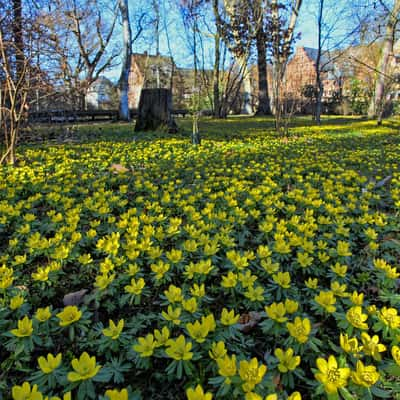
(393,370)
(346,394)
(378,392)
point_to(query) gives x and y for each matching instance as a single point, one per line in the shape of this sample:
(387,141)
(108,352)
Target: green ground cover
(251,267)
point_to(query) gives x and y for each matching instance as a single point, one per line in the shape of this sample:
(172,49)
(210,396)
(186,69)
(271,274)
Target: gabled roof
(325,61)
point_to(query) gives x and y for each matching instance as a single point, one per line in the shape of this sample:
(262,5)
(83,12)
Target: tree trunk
(263,98)
(18,40)
(247,90)
(377,102)
(124,113)
(155,111)
(319,85)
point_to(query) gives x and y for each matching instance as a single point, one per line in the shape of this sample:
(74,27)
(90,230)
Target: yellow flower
(198,290)
(16,302)
(43,314)
(396,354)
(339,270)
(371,346)
(300,329)
(198,331)
(146,346)
(50,364)
(135,287)
(173,294)
(287,362)
(357,318)
(190,305)
(172,315)
(161,337)
(282,279)
(178,349)
(218,350)
(66,396)
(69,315)
(326,300)
(229,317)
(251,373)
(311,283)
(357,298)
(338,289)
(389,317)
(365,375)
(209,321)
(113,331)
(252,396)
(295,396)
(330,375)
(84,368)
(343,249)
(42,274)
(349,345)
(277,312)
(25,392)
(174,255)
(198,394)
(227,367)
(24,328)
(255,293)
(103,281)
(291,306)
(116,394)
(230,280)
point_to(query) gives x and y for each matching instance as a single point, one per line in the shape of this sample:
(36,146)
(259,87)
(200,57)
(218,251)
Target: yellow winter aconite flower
(339,289)
(198,394)
(198,290)
(113,331)
(227,367)
(389,317)
(371,346)
(42,274)
(282,279)
(178,349)
(287,360)
(198,331)
(66,396)
(343,249)
(135,287)
(16,302)
(24,328)
(295,396)
(365,375)
(230,280)
(146,346)
(43,314)
(115,394)
(277,312)
(218,350)
(161,336)
(357,298)
(173,294)
(349,345)
(103,281)
(330,375)
(190,305)
(396,354)
(84,368)
(69,315)
(172,315)
(339,270)
(356,317)
(326,300)
(299,329)
(49,364)
(251,373)
(229,317)
(311,283)
(291,306)
(25,392)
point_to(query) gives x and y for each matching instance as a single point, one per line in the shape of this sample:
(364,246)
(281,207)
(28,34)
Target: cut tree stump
(155,111)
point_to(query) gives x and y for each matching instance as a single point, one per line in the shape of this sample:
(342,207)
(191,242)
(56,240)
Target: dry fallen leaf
(118,168)
(74,298)
(248,321)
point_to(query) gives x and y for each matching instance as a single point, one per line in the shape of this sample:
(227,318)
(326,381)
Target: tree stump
(155,111)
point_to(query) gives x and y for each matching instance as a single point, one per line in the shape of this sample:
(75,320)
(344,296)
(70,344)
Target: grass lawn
(137,266)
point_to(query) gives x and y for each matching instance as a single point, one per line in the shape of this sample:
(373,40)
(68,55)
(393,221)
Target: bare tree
(124,113)
(377,103)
